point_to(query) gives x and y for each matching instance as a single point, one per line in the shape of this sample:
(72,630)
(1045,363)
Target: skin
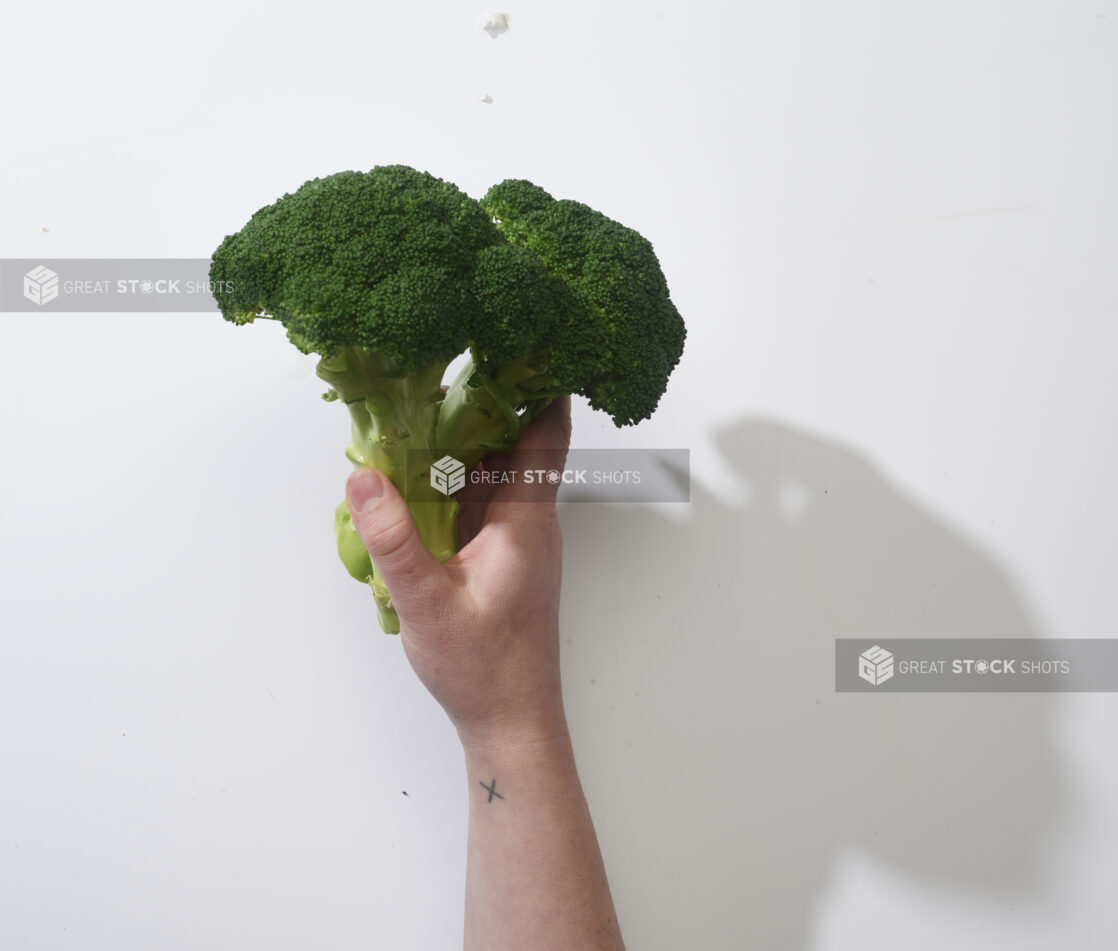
(482,633)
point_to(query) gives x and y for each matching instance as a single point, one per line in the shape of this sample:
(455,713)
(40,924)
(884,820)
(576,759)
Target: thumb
(384,524)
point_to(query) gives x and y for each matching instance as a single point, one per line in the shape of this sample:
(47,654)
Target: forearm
(534,875)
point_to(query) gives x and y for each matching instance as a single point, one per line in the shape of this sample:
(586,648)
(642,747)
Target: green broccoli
(391,274)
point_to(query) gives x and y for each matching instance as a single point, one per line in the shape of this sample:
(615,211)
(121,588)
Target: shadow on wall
(724,771)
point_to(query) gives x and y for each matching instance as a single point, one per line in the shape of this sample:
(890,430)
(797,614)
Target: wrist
(543,733)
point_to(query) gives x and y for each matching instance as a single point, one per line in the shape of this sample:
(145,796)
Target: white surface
(891,228)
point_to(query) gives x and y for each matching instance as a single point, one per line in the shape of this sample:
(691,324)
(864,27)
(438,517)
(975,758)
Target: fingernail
(364,489)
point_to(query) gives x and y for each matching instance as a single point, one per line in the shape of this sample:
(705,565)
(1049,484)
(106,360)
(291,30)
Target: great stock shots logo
(448,475)
(40,285)
(875,665)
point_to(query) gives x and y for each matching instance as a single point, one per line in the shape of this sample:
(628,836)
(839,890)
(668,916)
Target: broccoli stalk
(487,406)
(402,423)
(390,274)
(394,416)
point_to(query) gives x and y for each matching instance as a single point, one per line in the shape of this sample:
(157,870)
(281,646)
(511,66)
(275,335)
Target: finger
(480,483)
(550,430)
(536,464)
(473,501)
(386,527)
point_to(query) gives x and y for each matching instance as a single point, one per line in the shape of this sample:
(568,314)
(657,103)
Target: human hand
(482,629)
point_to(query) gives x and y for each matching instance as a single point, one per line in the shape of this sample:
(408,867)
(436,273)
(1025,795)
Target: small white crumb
(496,24)
(487,99)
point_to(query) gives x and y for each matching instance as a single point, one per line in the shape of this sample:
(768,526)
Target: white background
(890,226)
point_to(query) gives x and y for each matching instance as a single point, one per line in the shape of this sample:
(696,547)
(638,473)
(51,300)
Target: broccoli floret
(611,333)
(388,275)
